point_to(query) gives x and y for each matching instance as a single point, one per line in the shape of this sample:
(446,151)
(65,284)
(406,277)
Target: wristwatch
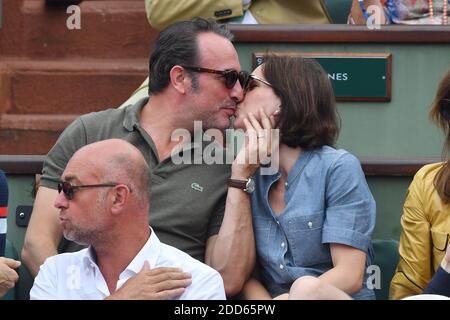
(245,185)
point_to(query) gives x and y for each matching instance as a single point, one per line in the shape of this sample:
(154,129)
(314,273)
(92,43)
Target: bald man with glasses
(103,202)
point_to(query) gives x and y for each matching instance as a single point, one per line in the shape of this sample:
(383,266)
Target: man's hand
(445,264)
(154,284)
(8,277)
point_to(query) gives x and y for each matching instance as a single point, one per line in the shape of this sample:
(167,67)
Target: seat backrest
(338,10)
(386,258)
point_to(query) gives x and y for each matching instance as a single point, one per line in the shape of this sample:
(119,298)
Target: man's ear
(178,79)
(120,197)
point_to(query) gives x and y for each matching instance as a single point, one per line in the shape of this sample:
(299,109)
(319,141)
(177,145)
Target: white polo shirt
(76,276)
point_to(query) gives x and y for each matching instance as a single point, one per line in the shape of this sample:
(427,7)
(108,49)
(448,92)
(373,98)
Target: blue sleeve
(439,284)
(350,207)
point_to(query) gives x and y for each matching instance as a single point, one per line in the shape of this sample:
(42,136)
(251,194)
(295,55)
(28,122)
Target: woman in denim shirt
(313,217)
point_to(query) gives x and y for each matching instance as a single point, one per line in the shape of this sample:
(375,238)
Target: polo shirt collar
(133,114)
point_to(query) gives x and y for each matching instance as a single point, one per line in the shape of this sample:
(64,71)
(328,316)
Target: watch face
(250,187)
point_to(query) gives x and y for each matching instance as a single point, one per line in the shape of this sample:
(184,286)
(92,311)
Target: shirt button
(278,222)
(282,244)
(281,267)
(310,224)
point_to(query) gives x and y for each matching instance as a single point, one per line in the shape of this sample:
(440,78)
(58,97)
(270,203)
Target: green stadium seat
(338,10)
(386,257)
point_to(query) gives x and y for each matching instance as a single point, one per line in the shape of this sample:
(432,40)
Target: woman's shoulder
(331,152)
(423,181)
(429,171)
(332,157)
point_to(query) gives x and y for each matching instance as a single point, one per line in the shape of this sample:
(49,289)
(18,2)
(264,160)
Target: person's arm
(254,290)
(349,223)
(440,283)
(414,267)
(232,250)
(161,13)
(348,269)
(43,233)
(8,276)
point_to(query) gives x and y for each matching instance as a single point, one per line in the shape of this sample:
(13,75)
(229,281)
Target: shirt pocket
(439,241)
(304,234)
(261,228)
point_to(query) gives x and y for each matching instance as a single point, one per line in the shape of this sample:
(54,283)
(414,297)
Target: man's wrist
(240,174)
(246,185)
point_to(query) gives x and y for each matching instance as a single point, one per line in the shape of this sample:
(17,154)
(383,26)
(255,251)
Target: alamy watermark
(374,279)
(375,16)
(73,22)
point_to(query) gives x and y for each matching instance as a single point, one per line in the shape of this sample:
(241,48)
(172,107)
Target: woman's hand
(260,142)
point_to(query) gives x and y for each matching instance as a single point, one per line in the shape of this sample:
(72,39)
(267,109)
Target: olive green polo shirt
(187,200)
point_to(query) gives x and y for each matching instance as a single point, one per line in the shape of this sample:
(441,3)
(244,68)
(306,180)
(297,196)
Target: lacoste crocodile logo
(196,186)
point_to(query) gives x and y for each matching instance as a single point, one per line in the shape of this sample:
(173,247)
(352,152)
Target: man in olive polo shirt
(194,73)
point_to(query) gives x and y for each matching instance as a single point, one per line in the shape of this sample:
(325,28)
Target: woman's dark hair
(177,45)
(308,117)
(439,114)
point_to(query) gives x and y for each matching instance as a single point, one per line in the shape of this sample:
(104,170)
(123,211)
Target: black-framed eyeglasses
(444,108)
(252,82)
(68,189)
(231,76)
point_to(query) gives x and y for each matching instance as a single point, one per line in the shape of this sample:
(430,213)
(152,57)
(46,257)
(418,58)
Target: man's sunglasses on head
(68,189)
(230,76)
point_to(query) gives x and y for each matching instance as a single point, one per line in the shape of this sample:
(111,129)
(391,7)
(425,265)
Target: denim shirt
(327,201)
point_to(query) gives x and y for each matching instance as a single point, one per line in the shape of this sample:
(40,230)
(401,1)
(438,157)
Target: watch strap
(236,183)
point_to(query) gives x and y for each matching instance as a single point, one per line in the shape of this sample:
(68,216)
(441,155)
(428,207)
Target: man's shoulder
(63,260)
(104,116)
(173,257)
(112,119)
(206,284)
